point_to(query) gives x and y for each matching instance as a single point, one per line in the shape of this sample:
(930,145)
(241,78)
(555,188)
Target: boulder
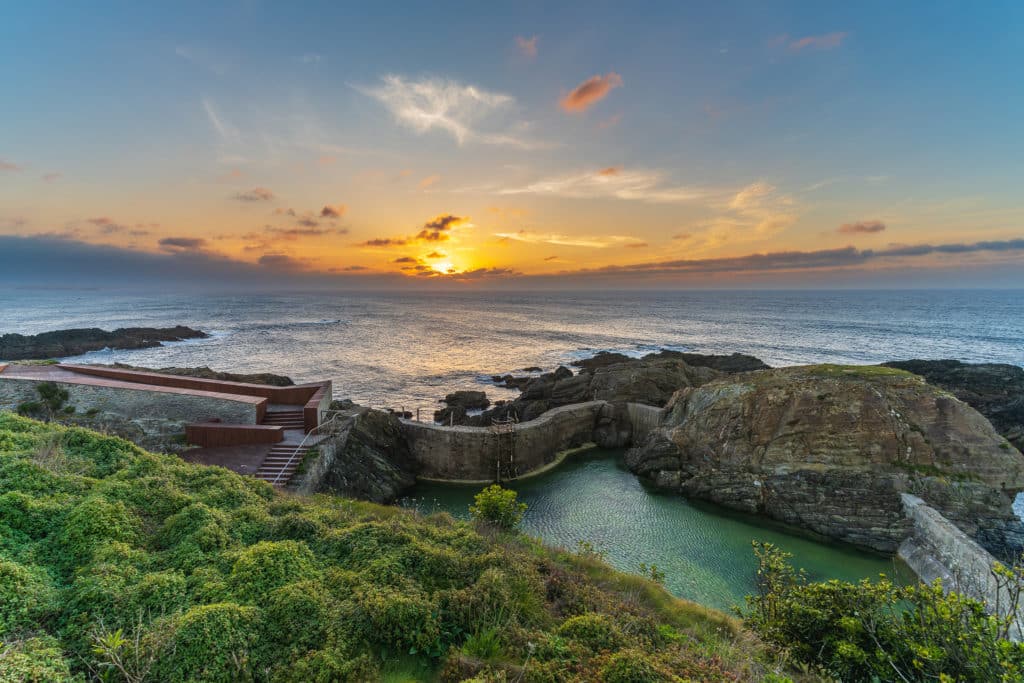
(470,400)
(830,448)
(995,390)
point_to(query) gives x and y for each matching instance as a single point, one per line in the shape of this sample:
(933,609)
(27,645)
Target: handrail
(337,414)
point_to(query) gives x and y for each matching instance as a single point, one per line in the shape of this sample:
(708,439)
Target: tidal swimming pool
(704,551)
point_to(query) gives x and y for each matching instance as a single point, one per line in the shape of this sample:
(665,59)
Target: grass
(865,371)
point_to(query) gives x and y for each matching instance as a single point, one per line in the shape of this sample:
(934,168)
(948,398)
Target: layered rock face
(830,448)
(63,343)
(995,390)
(374,462)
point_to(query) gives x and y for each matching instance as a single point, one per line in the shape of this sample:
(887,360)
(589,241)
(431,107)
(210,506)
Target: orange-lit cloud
(428,181)
(612,183)
(256,194)
(384,242)
(527,46)
(590,92)
(51,177)
(825,41)
(591,242)
(179,244)
(9,165)
(861,227)
(336,211)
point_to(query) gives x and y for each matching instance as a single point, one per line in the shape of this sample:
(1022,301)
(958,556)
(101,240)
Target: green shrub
(270,564)
(595,631)
(206,643)
(401,621)
(92,522)
(27,597)
(35,660)
(878,630)
(497,506)
(631,666)
(329,666)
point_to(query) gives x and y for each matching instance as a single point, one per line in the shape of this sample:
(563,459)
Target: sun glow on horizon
(445,267)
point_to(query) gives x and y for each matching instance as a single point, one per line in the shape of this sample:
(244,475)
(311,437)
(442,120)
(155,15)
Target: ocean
(410,349)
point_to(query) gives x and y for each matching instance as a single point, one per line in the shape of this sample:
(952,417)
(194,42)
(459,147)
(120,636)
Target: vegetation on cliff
(118,564)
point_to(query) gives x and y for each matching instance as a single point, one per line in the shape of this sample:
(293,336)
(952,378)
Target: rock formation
(830,448)
(995,390)
(458,403)
(611,377)
(63,343)
(373,463)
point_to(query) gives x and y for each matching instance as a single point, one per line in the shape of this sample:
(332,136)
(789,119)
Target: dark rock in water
(62,343)
(204,372)
(468,399)
(602,359)
(532,368)
(511,381)
(562,372)
(375,463)
(995,390)
(731,363)
(830,448)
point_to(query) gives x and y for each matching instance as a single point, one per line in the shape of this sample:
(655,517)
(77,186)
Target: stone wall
(150,418)
(938,549)
(644,419)
(471,453)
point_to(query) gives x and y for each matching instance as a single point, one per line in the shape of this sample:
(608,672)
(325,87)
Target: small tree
(497,506)
(50,404)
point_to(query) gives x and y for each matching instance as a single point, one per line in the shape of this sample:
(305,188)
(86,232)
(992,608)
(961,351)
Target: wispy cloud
(437,230)
(224,129)
(336,211)
(592,242)
(825,41)
(256,194)
(446,105)
(861,227)
(429,180)
(51,177)
(182,244)
(611,182)
(527,46)
(590,92)
(9,165)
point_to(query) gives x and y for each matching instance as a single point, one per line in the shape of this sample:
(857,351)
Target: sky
(642,144)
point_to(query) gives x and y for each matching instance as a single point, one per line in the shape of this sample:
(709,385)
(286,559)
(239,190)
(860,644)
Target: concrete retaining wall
(938,549)
(644,419)
(471,453)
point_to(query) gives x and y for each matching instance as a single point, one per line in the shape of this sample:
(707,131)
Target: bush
(877,630)
(631,666)
(206,643)
(92,522)
(26,597)
(36,660)
(497,506)
(270,564)
(595,631)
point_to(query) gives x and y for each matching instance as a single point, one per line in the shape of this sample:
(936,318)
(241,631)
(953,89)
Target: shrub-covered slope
(119,564)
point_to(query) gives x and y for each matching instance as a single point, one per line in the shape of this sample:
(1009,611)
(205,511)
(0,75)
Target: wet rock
(829,449)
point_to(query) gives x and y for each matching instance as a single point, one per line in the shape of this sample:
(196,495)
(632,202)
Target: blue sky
(721,131)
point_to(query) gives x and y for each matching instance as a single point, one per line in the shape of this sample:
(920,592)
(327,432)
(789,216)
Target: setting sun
(443,267)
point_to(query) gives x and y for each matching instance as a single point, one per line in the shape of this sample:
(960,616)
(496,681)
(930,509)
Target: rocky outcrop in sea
(830,448)
(64,343)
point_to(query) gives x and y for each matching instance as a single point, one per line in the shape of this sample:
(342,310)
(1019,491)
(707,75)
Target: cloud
(825,41)
(107,225)
(311,58)
(551,258)
(9,165)
(177,244)
(611,182)
(350,269)
(436,254)
(590,92)
(256,194)
(50,177)
(406,259)
(312,231)
(446,105)
(592,242)
(385,242)
(682,236)
(810,260)
(436,230)
(336,211)
(428,181)
(308,221)
(282,262)
(637,245)
(527,46)
(225,130)
(861,227)
(483,273)
(610,122)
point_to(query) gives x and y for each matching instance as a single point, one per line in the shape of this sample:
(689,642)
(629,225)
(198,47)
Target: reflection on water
(705,554)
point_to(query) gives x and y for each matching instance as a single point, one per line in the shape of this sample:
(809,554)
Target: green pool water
(705,552)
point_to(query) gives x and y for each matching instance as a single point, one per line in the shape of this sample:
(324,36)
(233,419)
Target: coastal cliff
(830,448)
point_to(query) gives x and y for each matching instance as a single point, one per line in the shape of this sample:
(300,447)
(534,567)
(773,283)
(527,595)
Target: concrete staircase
(289,419)
(276,467)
